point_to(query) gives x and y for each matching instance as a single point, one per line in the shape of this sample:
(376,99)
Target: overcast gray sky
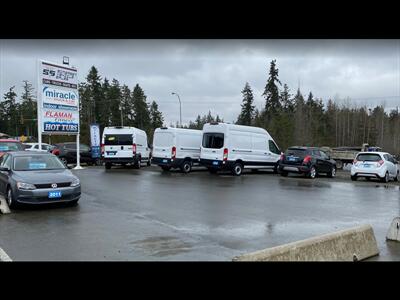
(210,74)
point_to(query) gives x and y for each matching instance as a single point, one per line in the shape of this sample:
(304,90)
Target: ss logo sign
(49,72)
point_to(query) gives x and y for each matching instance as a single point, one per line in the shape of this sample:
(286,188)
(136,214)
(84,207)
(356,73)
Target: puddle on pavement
(162,246)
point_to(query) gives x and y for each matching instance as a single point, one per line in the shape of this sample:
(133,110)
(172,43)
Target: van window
(163,139)
(273,147)
(118,139)
(213,140)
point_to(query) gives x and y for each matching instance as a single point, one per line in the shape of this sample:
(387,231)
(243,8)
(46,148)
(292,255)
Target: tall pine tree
(247,113)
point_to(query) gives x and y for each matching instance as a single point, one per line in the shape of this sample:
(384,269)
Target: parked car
(309,161)
(235,147)
(35,147)
(37,178)
(7,145)
(380,165)
(176,148)
(124,145)
(66,152)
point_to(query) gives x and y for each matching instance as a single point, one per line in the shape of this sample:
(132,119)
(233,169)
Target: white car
(379,165)
(35,147)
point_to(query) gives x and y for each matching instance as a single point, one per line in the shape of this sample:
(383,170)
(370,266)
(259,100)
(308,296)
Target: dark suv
(309,161)
(66,152)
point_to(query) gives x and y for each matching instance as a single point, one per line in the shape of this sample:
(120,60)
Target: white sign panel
(59,99)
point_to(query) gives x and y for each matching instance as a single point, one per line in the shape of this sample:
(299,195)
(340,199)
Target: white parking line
(4,256)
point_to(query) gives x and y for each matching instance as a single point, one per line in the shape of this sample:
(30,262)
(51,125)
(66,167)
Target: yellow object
(23,138)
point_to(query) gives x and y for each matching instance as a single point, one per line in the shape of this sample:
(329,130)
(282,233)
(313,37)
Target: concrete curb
(4,206)
(393,233)
(4,256)
(352,244)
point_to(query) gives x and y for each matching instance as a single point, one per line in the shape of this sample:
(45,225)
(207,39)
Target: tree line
(293,119)
(290,118)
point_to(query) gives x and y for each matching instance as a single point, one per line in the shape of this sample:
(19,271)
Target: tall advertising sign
(95,140)
(59,99)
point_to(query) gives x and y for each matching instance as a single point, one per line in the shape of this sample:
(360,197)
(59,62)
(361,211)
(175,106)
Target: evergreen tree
(11,113)
(247,114)
(140,108)
(127,107)
(156,119)
(28,110)
(271,93)
(115,103)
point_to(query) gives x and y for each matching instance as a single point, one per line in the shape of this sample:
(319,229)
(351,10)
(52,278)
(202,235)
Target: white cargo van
(235,147)
(124,145)
(176,148)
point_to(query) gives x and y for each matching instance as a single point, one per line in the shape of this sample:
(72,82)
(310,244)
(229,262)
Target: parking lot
(146,214)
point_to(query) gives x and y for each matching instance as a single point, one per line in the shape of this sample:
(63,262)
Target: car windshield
(10,146)
(369,157)
(37,162)
(213,140)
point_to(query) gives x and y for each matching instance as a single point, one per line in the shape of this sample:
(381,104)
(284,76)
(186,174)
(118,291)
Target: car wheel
(332,173)
(284,174)
(107,165)
(313,173)
(397,177)
(385,178)
(165,168)
(73,203)
(354,178)
(237,169)
(10,199)
(186,166)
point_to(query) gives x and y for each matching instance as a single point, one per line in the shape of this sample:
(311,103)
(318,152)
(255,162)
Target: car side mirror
(5,169)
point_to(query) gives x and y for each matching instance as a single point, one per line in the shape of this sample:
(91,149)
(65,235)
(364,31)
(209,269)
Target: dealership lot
(146,214)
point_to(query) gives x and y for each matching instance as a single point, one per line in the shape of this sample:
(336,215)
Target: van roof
(122,128)
(236,127)
(177,129)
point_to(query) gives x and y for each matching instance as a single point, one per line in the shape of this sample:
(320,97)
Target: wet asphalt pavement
(128,214)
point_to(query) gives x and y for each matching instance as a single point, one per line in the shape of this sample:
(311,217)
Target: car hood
(44,176)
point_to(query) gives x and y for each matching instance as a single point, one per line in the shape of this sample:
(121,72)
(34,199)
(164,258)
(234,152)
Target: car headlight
(25,186)
(76,182)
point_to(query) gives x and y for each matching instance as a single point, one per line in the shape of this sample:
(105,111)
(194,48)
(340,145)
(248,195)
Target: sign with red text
(59,99)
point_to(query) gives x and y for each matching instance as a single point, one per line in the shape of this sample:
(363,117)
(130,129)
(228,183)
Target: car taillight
(102,149)
(307,159)
(56,151)
(134,148)
(282,157)
(173,152)
(225,157)
(381,162)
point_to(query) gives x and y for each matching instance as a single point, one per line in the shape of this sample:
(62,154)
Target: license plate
(366,166)
(165,160)
(55,194)
(215,163)
(110,153)
(291,159)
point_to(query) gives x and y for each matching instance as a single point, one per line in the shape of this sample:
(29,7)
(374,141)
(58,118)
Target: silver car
(37,178)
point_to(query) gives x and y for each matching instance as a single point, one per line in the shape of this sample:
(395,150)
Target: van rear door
(118,145)
(163,142)
(213,146)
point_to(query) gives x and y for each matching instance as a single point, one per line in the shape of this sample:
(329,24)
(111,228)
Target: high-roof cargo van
(124,145)
(235,147)
(176,148)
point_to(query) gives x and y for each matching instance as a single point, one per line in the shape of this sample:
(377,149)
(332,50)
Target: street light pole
(180,108)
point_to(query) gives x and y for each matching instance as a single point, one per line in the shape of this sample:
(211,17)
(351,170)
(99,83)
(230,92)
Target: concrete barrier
(4,206)
(4,256)
(352,244)
(393,233)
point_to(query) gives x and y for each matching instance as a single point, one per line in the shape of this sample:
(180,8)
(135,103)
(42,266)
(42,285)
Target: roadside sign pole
(39,104)
(78,154)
